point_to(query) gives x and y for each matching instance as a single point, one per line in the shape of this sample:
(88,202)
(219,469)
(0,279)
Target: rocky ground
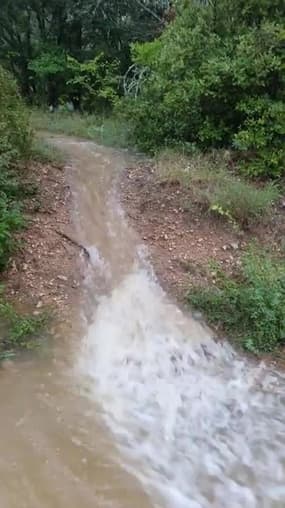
(182,239)
(45,270)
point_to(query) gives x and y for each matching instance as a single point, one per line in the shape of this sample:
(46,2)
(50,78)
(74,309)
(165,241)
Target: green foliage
(241,202)
(215,80)
(10,220)
(215,189)
(49,63)
(262,134)
(109,131)
(15,140)
(36,36)
(95,81)
(15,135)
(18,331)
(249,307)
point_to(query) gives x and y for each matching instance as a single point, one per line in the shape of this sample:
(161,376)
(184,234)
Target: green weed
(108,131)
(18,331)
(242,201)
(249,307)
(215,188)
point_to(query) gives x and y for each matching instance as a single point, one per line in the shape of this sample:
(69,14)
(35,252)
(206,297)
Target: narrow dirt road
(136,406)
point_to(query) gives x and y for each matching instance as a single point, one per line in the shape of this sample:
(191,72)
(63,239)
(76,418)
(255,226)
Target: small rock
(225,247)
(62,277)
(39,304)
(235,245)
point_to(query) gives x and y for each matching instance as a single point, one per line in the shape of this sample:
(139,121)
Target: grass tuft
(108,131)
(249,306)
(46,153)
(216,189)
(18,332)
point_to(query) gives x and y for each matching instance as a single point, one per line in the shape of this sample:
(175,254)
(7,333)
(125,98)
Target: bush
(15,135)
(215,81)
(18,332)
(10,220)
(251,306)
(241,202)
(15,141)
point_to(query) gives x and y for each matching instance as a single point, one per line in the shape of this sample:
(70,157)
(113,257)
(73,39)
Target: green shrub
(18,331)
(241,201)
(15,142)
(15,134)
(10,220)
(249,307)
(215,81)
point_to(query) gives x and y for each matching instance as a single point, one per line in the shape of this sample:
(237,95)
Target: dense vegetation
(250,306)
(15,140)
(215,78)
(15,145)
(74,50)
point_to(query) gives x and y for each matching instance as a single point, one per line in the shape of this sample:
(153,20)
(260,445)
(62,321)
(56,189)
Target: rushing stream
(142,409)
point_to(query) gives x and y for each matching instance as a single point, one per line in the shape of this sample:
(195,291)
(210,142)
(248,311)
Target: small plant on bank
(18,332)
(215,188)
(250,306)
(11,220)
(242,202)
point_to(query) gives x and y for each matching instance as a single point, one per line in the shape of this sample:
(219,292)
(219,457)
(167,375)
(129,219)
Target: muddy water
(141,408)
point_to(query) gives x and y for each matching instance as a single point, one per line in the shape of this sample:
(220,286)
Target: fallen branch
(75,242)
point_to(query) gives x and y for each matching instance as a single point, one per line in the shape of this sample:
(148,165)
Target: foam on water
(196,422)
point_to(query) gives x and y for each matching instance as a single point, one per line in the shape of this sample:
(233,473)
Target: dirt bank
(44,271)
(181,238)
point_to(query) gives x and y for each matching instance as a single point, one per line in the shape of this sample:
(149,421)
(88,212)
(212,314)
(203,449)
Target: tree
(36,35)
(215,78)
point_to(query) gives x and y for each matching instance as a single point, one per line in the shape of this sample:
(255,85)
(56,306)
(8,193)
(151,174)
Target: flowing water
(140,408)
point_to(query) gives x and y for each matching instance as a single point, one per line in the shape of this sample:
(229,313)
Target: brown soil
(45,270)
(181,238)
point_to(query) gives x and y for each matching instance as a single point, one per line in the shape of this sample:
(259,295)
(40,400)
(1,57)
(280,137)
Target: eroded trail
(144,409)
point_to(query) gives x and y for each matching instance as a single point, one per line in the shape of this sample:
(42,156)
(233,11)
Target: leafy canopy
(215,78)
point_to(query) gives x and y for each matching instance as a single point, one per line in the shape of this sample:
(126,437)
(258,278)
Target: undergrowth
(249,306)
(216,188)
(108,131)
(18,332)
(46,153)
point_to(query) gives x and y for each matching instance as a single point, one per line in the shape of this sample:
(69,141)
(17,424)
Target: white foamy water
(196,422)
